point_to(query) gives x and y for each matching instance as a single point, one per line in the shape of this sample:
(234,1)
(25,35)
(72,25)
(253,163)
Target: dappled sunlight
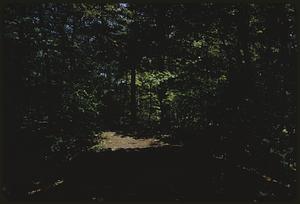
(115,141)
(149,102)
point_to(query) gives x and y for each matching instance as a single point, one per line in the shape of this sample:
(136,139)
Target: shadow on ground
(151,174)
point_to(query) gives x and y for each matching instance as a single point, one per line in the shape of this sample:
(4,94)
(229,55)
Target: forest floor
(135,167)
(114,141)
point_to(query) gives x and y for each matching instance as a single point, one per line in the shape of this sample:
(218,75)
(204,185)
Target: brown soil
(114,141)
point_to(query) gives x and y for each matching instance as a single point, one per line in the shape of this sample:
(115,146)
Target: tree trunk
(133,61)
(133,94)
(247,73)
(161,97)
(150,104)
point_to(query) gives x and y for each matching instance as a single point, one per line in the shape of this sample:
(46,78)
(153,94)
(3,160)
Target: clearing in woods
(114,141)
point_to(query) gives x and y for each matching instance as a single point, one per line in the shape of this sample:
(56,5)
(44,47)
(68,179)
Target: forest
(198,101)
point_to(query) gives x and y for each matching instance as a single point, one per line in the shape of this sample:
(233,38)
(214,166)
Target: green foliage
(229,68)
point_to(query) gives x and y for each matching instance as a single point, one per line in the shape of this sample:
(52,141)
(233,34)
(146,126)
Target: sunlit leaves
(198,44)
(214,50)
(154,78)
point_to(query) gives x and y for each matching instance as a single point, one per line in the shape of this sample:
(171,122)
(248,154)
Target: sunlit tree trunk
(133,61)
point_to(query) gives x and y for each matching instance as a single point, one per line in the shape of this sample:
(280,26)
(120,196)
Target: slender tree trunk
(133,61)
(150,104)
(161,96)
(247,71)
(133,103)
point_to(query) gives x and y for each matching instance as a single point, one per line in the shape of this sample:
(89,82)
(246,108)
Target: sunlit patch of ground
(114,141)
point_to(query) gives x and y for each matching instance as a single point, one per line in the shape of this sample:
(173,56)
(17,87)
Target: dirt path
(115,141)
